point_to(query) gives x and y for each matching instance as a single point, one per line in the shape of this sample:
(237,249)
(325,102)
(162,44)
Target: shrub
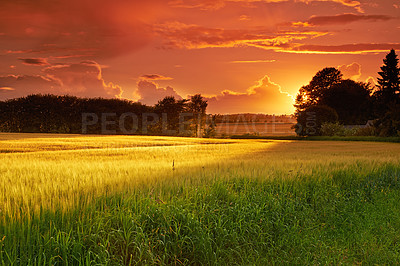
(365,131)
(333,129)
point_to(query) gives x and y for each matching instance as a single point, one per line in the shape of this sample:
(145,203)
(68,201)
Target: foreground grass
(232,222)
(226,202)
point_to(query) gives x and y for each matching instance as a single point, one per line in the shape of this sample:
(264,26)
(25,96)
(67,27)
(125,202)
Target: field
(258,128)
(126,200)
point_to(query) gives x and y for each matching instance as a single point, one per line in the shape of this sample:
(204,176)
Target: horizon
(243,56)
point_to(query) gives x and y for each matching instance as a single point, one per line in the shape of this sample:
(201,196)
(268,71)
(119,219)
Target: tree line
(323,107)
(69,114)
(329,102)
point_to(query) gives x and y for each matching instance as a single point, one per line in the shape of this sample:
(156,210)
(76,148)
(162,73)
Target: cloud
(83,79)
(352,71)
(154,77)
(80,79)
(149,93)
(355,48)
(345,18)
(252,61)
(244,18)
(185,36)
(217,4)
(34,61)
(107,28)
(3,89)
(264,97)
(13,86)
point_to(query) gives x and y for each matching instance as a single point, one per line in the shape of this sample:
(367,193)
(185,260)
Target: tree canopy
(355,102)
(312,93)
(351,100)
(388,89)
(66,114)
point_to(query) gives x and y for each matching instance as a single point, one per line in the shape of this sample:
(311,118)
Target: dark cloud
(149,93)
(356,48)
(34,61)
(155,77)
(345,18)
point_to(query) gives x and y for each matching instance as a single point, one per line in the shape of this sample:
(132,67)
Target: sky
(243,56)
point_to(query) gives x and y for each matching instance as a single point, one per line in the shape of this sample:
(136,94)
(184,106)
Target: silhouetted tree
(312,93)
(351,100)
(388,90)
(169,110)
(309,120)
(210,128)
(197,106)
(389,124)
(63,114)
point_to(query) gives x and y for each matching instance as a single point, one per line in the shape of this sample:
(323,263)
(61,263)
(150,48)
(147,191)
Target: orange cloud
(81,79)
(6,89)
(352,71)
(357,48)
(217,4)
(149,93)
(244,18)
(252,61)
(264,97)
(106,28)
(21,85)
(180,35)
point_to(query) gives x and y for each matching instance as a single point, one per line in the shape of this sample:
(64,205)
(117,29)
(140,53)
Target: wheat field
(57,174)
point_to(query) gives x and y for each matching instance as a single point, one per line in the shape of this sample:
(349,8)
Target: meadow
(256,128)
(128,200)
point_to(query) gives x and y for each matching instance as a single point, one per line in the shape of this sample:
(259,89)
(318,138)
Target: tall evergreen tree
(388,84)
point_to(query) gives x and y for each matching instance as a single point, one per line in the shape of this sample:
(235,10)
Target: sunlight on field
(50,172)
(258,128)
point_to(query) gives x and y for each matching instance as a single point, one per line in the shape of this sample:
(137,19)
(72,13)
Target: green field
(126,200)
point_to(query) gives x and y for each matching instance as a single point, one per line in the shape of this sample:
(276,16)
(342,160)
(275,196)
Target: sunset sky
(243,55)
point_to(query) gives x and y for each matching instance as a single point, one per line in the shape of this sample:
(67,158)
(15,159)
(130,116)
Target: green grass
(348,219)
(236,202)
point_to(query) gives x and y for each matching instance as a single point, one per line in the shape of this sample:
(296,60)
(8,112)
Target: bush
(365,131)
(336,129)
(333,129)
(310,120)
(389,125)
